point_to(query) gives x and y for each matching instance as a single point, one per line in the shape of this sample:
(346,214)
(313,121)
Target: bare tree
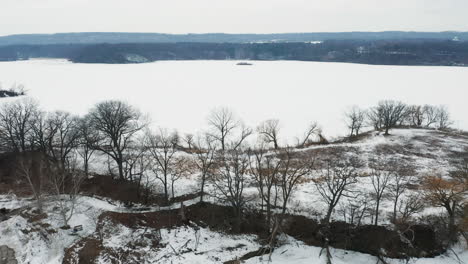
(416,116)
(231,179)
(355,118)
(409,206)
(269,131)
(400,180)
(354,210)
(137,164)
(117,122)
(388,114)
(443,118)
(312,129)
(30,167)
(182,167)
(189,140)
(265,169)
(225,126)
(294,167)
(66,184)
(223,123)
(16,124)
(205,160)
(162,150)
(430,115)
(87,142)
(335,182)
(449,193)
(380,178)
(58,136)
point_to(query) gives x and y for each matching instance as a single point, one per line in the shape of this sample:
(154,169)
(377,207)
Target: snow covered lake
(180,94)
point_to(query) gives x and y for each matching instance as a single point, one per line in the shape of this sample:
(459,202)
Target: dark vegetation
(116,37)
(382,52)
(375,240)
(15,90)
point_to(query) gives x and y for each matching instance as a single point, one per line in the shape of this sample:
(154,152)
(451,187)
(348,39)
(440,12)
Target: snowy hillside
(114,233)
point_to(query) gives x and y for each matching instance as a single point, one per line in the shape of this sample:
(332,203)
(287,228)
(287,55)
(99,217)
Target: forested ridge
(380,52)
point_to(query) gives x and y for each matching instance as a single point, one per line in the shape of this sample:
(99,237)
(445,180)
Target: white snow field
(180,94)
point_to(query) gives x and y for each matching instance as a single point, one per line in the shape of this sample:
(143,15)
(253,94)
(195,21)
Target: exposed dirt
(375,240)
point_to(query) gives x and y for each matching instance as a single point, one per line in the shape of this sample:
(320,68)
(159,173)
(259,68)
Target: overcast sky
(230,16)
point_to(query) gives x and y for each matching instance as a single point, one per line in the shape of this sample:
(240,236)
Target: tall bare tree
(443,118)
(58,136)
(355,118)
(312,129)
(183,166)
(117,122)
(66,184)
(225,127)
(189,140)
(87,142)
(265,169)
(269,131)
(294,167)
(30,166)
(430,115)
(16,124)
(388,114)
(400,180)
(205,160)
(335,182)
(416,116)
(449,193)
(231,179)
(162,150)
(380,179)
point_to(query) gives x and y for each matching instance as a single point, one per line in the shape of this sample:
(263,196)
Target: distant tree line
(383,52)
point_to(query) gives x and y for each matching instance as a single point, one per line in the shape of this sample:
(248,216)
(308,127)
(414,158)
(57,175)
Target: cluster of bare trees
(44,144)
(390,114)
(55,148)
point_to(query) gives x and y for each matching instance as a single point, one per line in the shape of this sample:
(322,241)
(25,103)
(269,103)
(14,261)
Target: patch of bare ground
(413,241)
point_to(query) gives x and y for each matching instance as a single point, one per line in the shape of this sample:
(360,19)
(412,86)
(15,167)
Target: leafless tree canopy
(205,160)
(388,114)
(162,149)
(294,167)
(265,168)
(355,118)
(229,131)
(117,122)
(312,129)
(16,124)
(230,179)
(336,180)
(269,131)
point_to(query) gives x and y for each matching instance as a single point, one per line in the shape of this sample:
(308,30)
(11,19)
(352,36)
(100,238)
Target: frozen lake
(180,94)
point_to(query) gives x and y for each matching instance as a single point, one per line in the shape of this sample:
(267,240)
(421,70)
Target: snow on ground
(179,245)
(180,94)
(42,241)
(10,201)
(429,151)
(296,252)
